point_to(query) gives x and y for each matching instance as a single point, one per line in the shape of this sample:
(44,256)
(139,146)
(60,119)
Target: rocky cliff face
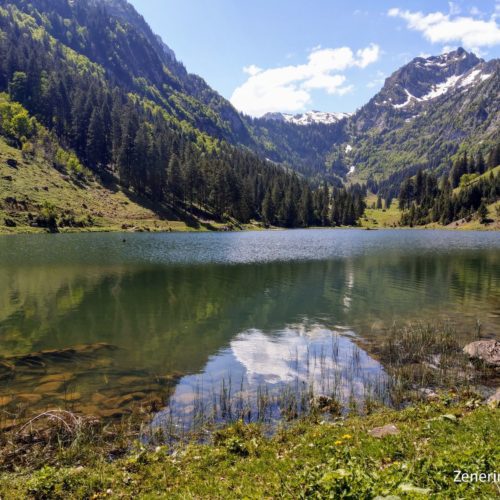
(417,86)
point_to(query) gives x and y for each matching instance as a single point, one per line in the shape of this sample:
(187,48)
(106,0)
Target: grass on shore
(382,218)
(26,188)
(309,459)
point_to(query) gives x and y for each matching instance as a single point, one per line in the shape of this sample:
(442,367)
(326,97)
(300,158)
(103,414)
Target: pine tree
(190,180)
(493,157)
(96,150)
(126,150)
(305,207)
(480,163)
(482,212)
(175,179)
(268,210)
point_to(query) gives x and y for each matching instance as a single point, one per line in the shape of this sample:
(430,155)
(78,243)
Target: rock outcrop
(487,351)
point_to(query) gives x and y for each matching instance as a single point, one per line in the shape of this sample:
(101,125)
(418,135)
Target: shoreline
(153,230)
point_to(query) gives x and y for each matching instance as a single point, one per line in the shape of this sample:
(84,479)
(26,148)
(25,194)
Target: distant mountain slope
(424,112)
(112,34)
(114,97)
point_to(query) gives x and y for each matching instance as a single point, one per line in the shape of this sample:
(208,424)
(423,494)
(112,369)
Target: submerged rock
(5,400)
(113,412)
(30,398)
(487,351)
(67,354)
(6,370)
(130,380)
(57,377)
(72,396)
(121,401)
(49,387)
(98,398)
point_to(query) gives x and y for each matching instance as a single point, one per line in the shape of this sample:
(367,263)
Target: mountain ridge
(308,117)
(319,145)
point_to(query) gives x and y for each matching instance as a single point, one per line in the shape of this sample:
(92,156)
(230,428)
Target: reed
(421,357)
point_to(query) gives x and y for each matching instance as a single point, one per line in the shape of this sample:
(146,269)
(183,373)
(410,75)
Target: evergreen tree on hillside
(268,210)
(493,157)
(480,164)
(174,179)
(97,147)
(306,212)
(423,200)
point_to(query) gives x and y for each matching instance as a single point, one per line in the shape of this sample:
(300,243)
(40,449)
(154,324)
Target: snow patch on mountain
(474,76)
(442,88)
(409,99)
(308,118)
(461,81)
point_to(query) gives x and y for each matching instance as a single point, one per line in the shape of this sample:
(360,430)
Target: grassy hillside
(35,187)
(380,218)
(386,218)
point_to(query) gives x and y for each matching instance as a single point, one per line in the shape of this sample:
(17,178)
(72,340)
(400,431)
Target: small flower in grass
(338,443)
(346,436)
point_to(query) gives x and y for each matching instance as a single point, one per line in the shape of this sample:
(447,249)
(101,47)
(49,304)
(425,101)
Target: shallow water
(182,309)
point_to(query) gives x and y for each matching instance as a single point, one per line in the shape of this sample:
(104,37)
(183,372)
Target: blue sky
(329,55)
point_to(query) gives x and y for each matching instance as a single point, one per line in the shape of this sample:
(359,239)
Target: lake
(99,322)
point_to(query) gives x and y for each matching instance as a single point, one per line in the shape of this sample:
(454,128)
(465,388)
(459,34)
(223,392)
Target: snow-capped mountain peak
(308,118)
(425,79)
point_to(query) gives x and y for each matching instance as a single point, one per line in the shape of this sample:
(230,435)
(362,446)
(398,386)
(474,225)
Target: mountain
(85,86)
(113,35)
(94,74)
(424,113)
(308,118)
(419,85)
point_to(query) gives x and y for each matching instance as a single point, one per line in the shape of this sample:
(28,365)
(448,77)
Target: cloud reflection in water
(298,358)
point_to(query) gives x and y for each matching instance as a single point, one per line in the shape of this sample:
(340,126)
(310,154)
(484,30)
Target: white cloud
(288,88)
(438,27)
(251,70)
(368,55)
